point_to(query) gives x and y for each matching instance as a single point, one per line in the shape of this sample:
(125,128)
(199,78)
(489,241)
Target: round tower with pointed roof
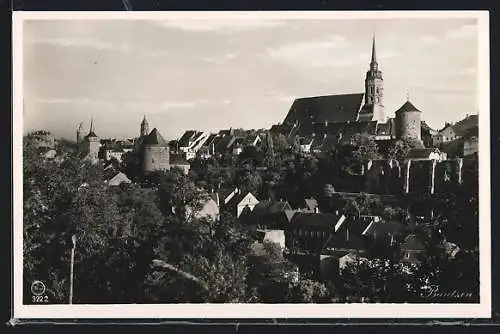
(155,153)
(408,122)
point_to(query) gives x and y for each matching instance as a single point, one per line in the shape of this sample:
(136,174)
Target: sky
(214,74)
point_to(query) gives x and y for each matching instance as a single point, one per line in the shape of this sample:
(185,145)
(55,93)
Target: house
(192,141)
(383,232)
(243,202)
(238,203)
(471,142)
(208,209)
(222,196)
(310,205)
(308,232)
(452,132)
(385,131)
(114,154)
(118,179)
(253,140)
(412,249)
(178,161)
(238,145)
(207,150)
(425,154)
(270,215)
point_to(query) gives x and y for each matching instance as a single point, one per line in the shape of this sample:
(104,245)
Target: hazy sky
(208,75)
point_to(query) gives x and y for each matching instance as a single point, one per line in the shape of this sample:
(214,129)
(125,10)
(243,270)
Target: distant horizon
(209,75)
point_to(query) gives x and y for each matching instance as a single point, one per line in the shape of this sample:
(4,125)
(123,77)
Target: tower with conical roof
(91,143)
(374,88)
(408,122)
(155,153)
(144,127)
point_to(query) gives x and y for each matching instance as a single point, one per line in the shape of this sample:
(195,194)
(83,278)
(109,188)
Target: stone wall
(155,158)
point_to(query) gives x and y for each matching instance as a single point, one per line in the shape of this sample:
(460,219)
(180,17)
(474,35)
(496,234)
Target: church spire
(144,127)
(373,62)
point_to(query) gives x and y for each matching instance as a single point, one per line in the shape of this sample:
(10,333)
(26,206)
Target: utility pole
(73,239)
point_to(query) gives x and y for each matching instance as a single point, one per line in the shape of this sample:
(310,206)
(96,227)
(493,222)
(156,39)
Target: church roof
(154,139)
(328,108)
(407,107)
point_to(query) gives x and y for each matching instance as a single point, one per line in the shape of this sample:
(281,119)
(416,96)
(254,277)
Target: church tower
(79,134)
(91,144)
(144,127)
(374,88)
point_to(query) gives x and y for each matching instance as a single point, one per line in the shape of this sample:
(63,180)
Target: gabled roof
(407,107)
(119,178)
(154,139)
(328,108)
(210,140)
(186,137)
(224,193)
(311,203)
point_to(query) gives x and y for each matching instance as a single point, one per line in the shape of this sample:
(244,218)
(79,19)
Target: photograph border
(253,311)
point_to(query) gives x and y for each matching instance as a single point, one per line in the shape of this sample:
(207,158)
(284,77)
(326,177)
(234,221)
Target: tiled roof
(461,128)
(315,219)
(210,140)
(186,137)
(407,107)
(154,139)
(328,108)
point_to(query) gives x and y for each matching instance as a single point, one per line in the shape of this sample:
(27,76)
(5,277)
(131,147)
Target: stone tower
(91,144)
(79,134)
(408,122)
(374,88)
(144,127)
(155,153)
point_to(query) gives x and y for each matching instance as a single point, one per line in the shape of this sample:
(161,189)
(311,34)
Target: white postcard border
(252,311)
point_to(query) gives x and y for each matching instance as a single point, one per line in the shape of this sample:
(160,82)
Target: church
(318,119)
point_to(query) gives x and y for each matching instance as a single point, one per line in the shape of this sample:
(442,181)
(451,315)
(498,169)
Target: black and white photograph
(246,164)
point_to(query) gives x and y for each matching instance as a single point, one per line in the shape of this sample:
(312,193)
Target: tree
(400,148)
(364,148)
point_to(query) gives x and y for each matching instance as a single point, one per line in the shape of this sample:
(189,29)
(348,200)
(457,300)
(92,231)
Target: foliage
(400,148)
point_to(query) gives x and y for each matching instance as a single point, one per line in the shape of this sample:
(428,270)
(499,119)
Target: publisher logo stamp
(37,288)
